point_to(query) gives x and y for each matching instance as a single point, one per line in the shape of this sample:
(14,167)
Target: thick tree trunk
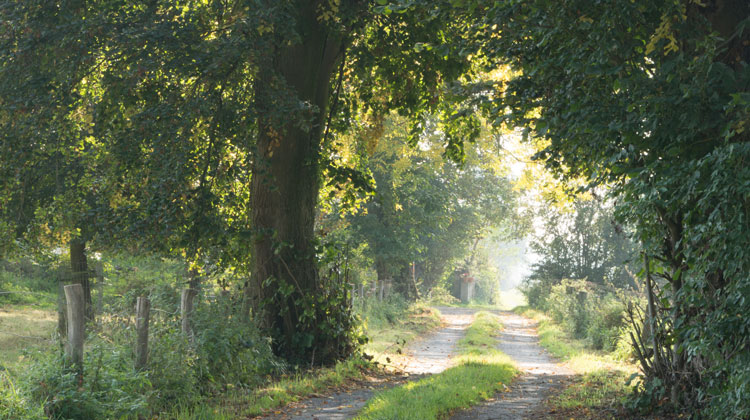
(79,267)
(285,185)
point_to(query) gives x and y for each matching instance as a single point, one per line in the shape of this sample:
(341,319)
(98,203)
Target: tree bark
(80,273)
(286,180)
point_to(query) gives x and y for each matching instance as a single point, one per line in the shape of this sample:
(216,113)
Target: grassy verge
(598,388)
(22,328)
(391,327)
(480,372)
(282,392)
(574,353)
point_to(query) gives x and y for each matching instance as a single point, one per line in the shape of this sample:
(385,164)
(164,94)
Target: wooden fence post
(186,309)
(142,308)
(76,320)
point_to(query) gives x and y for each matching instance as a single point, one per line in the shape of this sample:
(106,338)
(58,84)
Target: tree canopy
(211,125)
(209,128)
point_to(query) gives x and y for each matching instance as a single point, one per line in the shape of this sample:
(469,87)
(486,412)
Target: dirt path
(426,357)
(540,377)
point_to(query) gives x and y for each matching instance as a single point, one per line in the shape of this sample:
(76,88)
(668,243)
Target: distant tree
(427,213)
(583,242)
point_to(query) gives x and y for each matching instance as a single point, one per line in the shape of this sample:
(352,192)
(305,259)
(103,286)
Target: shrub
(439,295)
(536,293)
(15,404)
(172,370)
(605,328)
(108,389)
(585,311)
(568,306)
(229,350)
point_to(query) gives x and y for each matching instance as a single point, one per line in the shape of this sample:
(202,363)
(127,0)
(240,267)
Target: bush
(568,305)
(439,295)
(229,350)
(15,404)
(108,389)
(606,324)
(585,311)
(536,293)
(385,312)
(226,352)
(172,371)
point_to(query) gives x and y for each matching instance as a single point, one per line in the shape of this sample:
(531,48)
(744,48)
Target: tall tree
(577,243)
(190,98)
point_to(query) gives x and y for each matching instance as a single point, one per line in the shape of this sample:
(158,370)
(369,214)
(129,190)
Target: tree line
(210,128)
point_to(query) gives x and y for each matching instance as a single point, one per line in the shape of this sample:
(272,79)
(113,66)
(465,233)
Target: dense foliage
(214,130)
(205,129)
(651,97)
(580,242)
(427,214)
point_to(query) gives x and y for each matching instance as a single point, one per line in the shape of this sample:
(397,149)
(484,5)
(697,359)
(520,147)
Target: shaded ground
(428,356)
(541,375)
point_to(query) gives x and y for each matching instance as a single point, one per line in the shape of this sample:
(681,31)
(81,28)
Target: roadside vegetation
(580,291)
(258,173)
(600,386)
(185,380)
(480,372)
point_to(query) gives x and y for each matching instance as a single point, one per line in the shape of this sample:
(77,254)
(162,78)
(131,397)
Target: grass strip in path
(480,372)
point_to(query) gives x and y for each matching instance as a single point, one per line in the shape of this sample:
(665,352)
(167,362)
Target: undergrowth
(600,384)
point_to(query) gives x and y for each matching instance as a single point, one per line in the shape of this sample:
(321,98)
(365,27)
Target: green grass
(200,412)
(391,328)
(387,324)
(23,328)
(242,403)
(287,390)
(14,404)
(600,381)
(600,388)
(480,372)
(576,355)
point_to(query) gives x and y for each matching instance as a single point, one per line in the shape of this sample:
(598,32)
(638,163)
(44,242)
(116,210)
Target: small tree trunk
(652,316)
(76,322)
(142,308)
(80,272)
